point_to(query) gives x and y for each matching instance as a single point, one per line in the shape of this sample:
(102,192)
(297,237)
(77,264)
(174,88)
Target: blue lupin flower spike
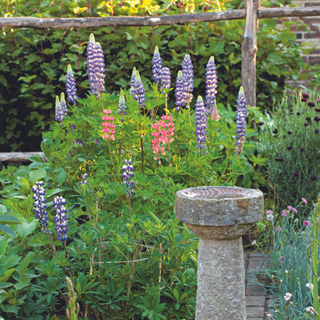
(84,179)
(241,121)
(63,104)
(180,91)
(61,219)
(165,79)
(127,174)
(59,113)
(187,74)
(90,61)
(156,65)
(211,85)
(71,86)
(132,80)
(139,92)
(39,206)
(201,123)
(122,105)
(99,70)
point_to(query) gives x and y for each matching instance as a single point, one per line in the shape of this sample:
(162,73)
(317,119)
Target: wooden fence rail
(252,13)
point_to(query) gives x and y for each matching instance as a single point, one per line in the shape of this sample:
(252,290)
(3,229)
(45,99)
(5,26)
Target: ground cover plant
(97,235)
(34,62)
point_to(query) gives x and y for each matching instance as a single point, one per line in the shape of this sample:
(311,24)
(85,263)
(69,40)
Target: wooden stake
(249,51)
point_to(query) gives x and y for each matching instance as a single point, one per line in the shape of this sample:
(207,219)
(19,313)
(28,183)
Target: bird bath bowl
(220,216)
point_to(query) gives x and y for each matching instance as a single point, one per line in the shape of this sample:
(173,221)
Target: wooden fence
(252,12)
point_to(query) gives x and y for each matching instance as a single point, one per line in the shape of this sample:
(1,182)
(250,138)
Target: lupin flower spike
(108,126)
(59,113)
(71,86)
(63,104)
(180,91)
(99,70)
(84,179)
(132,80)
(127,174)
(122,105)
(139,92)
(241,121)
(165,79)
(187,73)
(211,86)
(61,219)
(40,206)
(156,65)
(201,123)
(90,61)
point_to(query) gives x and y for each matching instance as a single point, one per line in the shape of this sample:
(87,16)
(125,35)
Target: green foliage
(303,157)
(128,257)
(34,62)
(6,219)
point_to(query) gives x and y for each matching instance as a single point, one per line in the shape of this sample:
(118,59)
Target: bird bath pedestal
(220,216)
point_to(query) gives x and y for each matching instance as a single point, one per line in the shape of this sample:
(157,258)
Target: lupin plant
(156,142)
(165,82)
(122,105)
(59,113)
(241,121)
(139,92)
(211,86)
(201,123)
(108,125)
(71,86)
(132,80)
(61,220)
(74,307)
(84,179)
(96,67)
(40,206)
(187,74)
(63,105)
(156,66)
(127,170)
(180,92)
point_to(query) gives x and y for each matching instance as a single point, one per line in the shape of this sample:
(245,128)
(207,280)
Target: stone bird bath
(220,216)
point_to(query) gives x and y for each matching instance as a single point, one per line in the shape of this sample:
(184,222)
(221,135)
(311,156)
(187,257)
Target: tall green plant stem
(141,143)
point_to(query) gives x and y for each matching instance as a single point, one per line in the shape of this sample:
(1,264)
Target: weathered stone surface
(219,233)
(219,206)
(255,312)
(255,301)
(221,280)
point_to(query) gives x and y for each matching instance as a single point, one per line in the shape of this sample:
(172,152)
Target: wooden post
(249,51)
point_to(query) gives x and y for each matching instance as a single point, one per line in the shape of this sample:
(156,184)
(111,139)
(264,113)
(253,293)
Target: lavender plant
(71,86)
(187,74)
(156,66)
(201,123)
(211,85)
(241,121)
(180,91)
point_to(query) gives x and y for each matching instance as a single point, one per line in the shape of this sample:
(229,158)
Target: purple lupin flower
(201,123)
(127,174)
(84,179)
(63,104)
(241,121)
(156,65)
(99,70)
(122,105)
(71,86)
(59,113)
(139,92)
(90,61)
(211,85)
(180,91)
(132,80)
(187,74)
(61,219)
(39,206)
(165,78)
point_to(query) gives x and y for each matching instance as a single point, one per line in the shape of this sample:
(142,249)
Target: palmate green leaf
(37,175)
(26,228)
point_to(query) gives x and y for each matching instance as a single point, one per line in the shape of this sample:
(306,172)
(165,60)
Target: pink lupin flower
(304,200)
(108,126)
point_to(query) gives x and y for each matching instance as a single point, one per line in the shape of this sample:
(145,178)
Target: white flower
(269,316)
(287,271)
(310,309)
(288,296)
(254,242)
(309,285)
